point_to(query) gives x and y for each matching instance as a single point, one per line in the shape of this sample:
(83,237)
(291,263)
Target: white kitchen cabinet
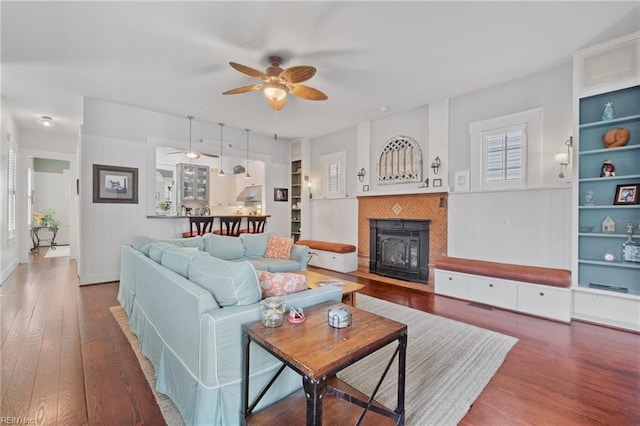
(452,284)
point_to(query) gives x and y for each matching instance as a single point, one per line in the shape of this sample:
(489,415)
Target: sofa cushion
(255,244)
(230,283)
(178,259)
(278,247)
(223,246)
(156,249)
(143,244)
(281,265)
(281,284)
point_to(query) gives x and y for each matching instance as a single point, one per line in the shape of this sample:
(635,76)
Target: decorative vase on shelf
(609,113)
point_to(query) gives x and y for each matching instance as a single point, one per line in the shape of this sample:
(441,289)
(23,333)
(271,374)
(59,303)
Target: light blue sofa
(187,308)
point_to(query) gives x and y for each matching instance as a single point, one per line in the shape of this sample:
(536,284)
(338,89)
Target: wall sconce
(361,174)
(436,165)
(564,158)
(306,179)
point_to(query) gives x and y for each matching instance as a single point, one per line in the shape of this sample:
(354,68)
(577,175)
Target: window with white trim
(333,169)
(505,151)
(504,155)
(11,192)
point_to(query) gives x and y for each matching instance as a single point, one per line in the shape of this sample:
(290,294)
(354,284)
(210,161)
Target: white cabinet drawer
(545,301)
(452,284)
(618,311)
(495,292)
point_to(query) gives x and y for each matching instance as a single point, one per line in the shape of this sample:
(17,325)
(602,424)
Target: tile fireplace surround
(411,206)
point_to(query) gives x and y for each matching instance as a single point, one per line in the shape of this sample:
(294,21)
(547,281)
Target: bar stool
(229,225)
(198,225)
(255,225)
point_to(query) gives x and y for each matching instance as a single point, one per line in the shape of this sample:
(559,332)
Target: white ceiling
(173,57)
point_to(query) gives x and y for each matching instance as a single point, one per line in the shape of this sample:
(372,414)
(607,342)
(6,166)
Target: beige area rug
(60,251)
(449,363)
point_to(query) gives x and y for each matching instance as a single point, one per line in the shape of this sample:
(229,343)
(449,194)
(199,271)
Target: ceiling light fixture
(46,121)
(275,91)
(221,172)
(191,154)
(247,176)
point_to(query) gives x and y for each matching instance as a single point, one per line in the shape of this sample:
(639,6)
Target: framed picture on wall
(115,184)
(280,194)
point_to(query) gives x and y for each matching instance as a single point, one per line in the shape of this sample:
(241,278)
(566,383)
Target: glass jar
(272,312)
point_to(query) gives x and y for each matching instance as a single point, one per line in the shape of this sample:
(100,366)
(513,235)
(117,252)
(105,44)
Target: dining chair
(198,225)
(255,225)
(229,225)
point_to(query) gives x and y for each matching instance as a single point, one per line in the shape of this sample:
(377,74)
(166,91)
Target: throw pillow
(281,284)
(279,247)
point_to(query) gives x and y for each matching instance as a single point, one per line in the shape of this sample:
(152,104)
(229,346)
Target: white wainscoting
(525,227)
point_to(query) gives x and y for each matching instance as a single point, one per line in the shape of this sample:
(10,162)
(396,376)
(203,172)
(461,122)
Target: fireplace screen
(399,252)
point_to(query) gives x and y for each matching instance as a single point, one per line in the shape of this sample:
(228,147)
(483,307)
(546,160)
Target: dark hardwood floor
(66,362)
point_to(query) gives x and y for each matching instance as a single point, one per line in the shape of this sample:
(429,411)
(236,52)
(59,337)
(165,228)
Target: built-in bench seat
(533,290)
(338,257)
(528,274)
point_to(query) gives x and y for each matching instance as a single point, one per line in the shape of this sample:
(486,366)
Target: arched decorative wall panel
(400,161)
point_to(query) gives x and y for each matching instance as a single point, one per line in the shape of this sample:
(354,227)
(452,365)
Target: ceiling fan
(279,82)
(191,154)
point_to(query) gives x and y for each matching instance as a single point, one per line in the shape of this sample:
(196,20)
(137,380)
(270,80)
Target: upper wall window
(333,167)
(503,160)
(500,150)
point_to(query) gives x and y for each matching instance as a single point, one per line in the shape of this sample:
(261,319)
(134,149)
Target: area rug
(60,251)
(449,363)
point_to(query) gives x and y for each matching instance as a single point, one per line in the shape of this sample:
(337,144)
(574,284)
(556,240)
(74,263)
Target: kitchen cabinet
(192,183)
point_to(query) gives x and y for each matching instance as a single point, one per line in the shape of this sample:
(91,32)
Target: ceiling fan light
(46,121)
(274,91)
(192,154)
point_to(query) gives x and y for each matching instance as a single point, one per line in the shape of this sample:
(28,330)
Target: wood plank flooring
(66,362)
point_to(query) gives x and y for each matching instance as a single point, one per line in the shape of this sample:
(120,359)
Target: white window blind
(11,192)
(503,155)
(332,178)
(333,174)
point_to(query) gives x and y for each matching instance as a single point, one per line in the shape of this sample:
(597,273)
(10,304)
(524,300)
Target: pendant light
(190,153)
(221,172)
(247,176)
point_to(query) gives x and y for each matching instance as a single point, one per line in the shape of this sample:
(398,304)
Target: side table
(35,238)
(317,352)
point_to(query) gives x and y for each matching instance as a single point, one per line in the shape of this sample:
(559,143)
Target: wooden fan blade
(243,89)
(308,93)
(249,71)
(210,155)
(176,152)
(298,74)
(277,104)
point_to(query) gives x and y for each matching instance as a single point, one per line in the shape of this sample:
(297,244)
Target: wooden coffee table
(317,352)
(349,289)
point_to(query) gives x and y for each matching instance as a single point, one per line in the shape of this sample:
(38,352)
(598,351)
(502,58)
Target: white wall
(8,246)
(333,219)
(531,226)
(115,134)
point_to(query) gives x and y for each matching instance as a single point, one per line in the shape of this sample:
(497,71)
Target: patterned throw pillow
(279,247)
(281,283)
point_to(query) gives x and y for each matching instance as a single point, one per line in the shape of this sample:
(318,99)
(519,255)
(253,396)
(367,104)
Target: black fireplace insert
(399,248)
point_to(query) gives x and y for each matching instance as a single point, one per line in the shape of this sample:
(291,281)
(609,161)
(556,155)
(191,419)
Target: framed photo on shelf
(280,194)
(115,184)
(627,194)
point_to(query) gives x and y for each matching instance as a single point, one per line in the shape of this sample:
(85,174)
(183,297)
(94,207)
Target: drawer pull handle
(450,278)
(490,285)
(541,294)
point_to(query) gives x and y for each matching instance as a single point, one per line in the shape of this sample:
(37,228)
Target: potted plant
(49,218)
